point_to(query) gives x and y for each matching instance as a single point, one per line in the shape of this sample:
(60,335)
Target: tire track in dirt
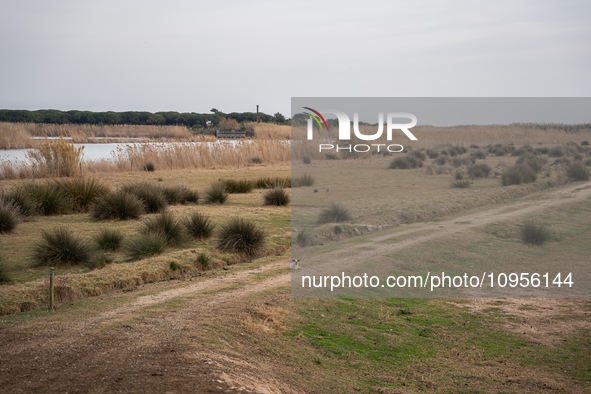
(375,246)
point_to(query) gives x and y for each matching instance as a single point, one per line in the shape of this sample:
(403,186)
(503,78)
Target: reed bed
(269,131)
(166,156)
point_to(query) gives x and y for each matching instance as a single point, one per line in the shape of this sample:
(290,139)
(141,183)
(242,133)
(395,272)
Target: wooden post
(258,114)
(51,307)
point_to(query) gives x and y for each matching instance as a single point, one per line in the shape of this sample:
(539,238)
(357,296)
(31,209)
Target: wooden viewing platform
(230,133)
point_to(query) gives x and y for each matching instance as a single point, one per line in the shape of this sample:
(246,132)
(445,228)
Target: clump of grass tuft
(50,200)
(99,260)
(517,175)
(10,217)
(534,233)
(459,175)
(151,195)
(334,213)
(21,199)
(578,172)
(585,143)
(337,230)
(216,193)
(265,183)
(82,192)
(536,163)
(238,186)
(276,196)
(61,247)
(149,167)
(109,240)
(331,156)
(241,236)
(203,261)
(304,180)
(463,184)
(306,160)
(5,277)
(405,163)
(256,160)
(199,226)
(174,266)
(145,245)
(166,225)
(179,194)
(119,205)
(303,238)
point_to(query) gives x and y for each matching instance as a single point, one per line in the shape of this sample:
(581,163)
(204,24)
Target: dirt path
(129,349)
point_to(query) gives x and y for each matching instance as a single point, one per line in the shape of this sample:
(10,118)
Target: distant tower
(258,114)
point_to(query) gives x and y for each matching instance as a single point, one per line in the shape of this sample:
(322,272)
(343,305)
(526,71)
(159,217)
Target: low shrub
(174,266)
(405,163)
(145,245)
(199,226)
(418,154)
(82,192)
(585,143)
(149,167)
(459,176)
(166,225)
(152,196)
(304,180)
(119,205)
(577,171)
(61,247)
(463,184)
(479,154)
(109,240)
(331,156)
(432,154)
(536,163)
(10,216)
(517,175)
(241,236)
(238,186)
(276,196)
(441,160)
(465,161)
(216,193)
(337,230)
(334,213)
(557,151)
(306,160)
(481,170)
(256,160)
(534,233)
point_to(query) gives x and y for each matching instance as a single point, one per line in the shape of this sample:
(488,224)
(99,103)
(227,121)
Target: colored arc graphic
(317,113)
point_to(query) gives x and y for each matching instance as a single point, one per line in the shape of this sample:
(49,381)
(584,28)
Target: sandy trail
(128,350)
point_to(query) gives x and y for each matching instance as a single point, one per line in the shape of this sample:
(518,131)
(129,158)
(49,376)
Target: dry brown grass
(269,131)
(267,320)
(15,136)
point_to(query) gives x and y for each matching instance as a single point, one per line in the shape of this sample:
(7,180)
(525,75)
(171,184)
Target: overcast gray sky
(190,56)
